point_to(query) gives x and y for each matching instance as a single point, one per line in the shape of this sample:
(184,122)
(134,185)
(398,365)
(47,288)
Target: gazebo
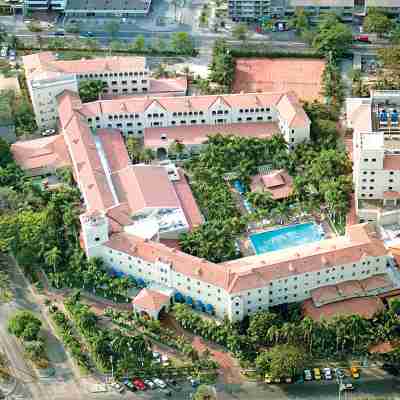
(151,302)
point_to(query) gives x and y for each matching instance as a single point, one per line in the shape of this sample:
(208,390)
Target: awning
(209,309)
(391,194)
(141,282)
(199,305)
(179,297)
(189,300)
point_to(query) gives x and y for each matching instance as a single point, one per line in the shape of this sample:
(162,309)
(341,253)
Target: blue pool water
(289,236)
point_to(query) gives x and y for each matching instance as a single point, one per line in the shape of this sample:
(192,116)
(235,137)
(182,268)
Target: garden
(321,172)
(281,342)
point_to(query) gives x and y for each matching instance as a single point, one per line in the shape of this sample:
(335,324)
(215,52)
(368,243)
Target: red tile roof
(46,63)
(303,76)
(366,307)
(114,148)
(48,152)
(148,299)
(187,201)
(391,194)
(279,183)
(143,186)
(391,162)
(382,348)
(197,134)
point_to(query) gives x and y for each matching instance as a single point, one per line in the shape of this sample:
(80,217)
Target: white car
(117,386)
(327,373)
(307,375)
(160,383)
(48,132)
(150,384)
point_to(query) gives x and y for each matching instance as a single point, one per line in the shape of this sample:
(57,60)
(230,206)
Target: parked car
(4,51)
(288,380)
(362,38)
(156,355)
(12,55)
(327,373)
(317,374)
(150,384)
(48,132)
(307,375)
(268,378)
(117,386)
(277,380)
(129,385)
(355,373)
(160,383)
(194,382)
(87,34)
(172,382)
(59,33)
(339,373)
(139,384)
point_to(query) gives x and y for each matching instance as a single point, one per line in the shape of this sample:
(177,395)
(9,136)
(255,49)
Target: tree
(161,71)
(56,43)
(5,153)
(176,148)
(139,44)
(134,148)
(282,361)
(116,45)
(205,392)
(222,67)
(53,258)
(25,122)
(300,21)
(332,85)
(90,90)
(182,43)
(91,43)
(378,22)
(240,32)
(5,289)
(333,38)
(260,323)
(147,155)
(25,325)
(112,28)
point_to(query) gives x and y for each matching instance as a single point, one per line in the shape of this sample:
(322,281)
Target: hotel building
(47,77)
(133,213)
(376,156)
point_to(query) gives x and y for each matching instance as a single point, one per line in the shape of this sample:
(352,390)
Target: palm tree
(52,258)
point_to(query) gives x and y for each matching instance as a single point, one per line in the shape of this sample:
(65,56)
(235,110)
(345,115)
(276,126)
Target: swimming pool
(289,236)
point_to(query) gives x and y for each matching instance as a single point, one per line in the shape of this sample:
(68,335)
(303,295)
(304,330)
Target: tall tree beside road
(112,28)
(182,43)
(56,43)
(282,361)
(333,38)
(240,32)
(222,67)
(377,22)
(91,90)
(5,153)
(25,325)
(300,21)
(139,44)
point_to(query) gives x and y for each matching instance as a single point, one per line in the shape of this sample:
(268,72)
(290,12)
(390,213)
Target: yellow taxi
(317,374)
(355,373)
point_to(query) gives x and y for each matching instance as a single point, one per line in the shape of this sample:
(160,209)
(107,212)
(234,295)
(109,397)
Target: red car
(139,384)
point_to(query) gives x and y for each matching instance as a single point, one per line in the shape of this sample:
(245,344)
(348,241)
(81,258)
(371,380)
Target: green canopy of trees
(90,90)
(333,38)
(377,21)
(282,361)
(222,67)
(25,326)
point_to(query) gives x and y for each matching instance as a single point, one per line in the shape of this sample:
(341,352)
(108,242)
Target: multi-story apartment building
(47,77)
(107,8)
(376,154)
(190,119)
(127,220)
(91,8)
(43,5)
(253,10)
